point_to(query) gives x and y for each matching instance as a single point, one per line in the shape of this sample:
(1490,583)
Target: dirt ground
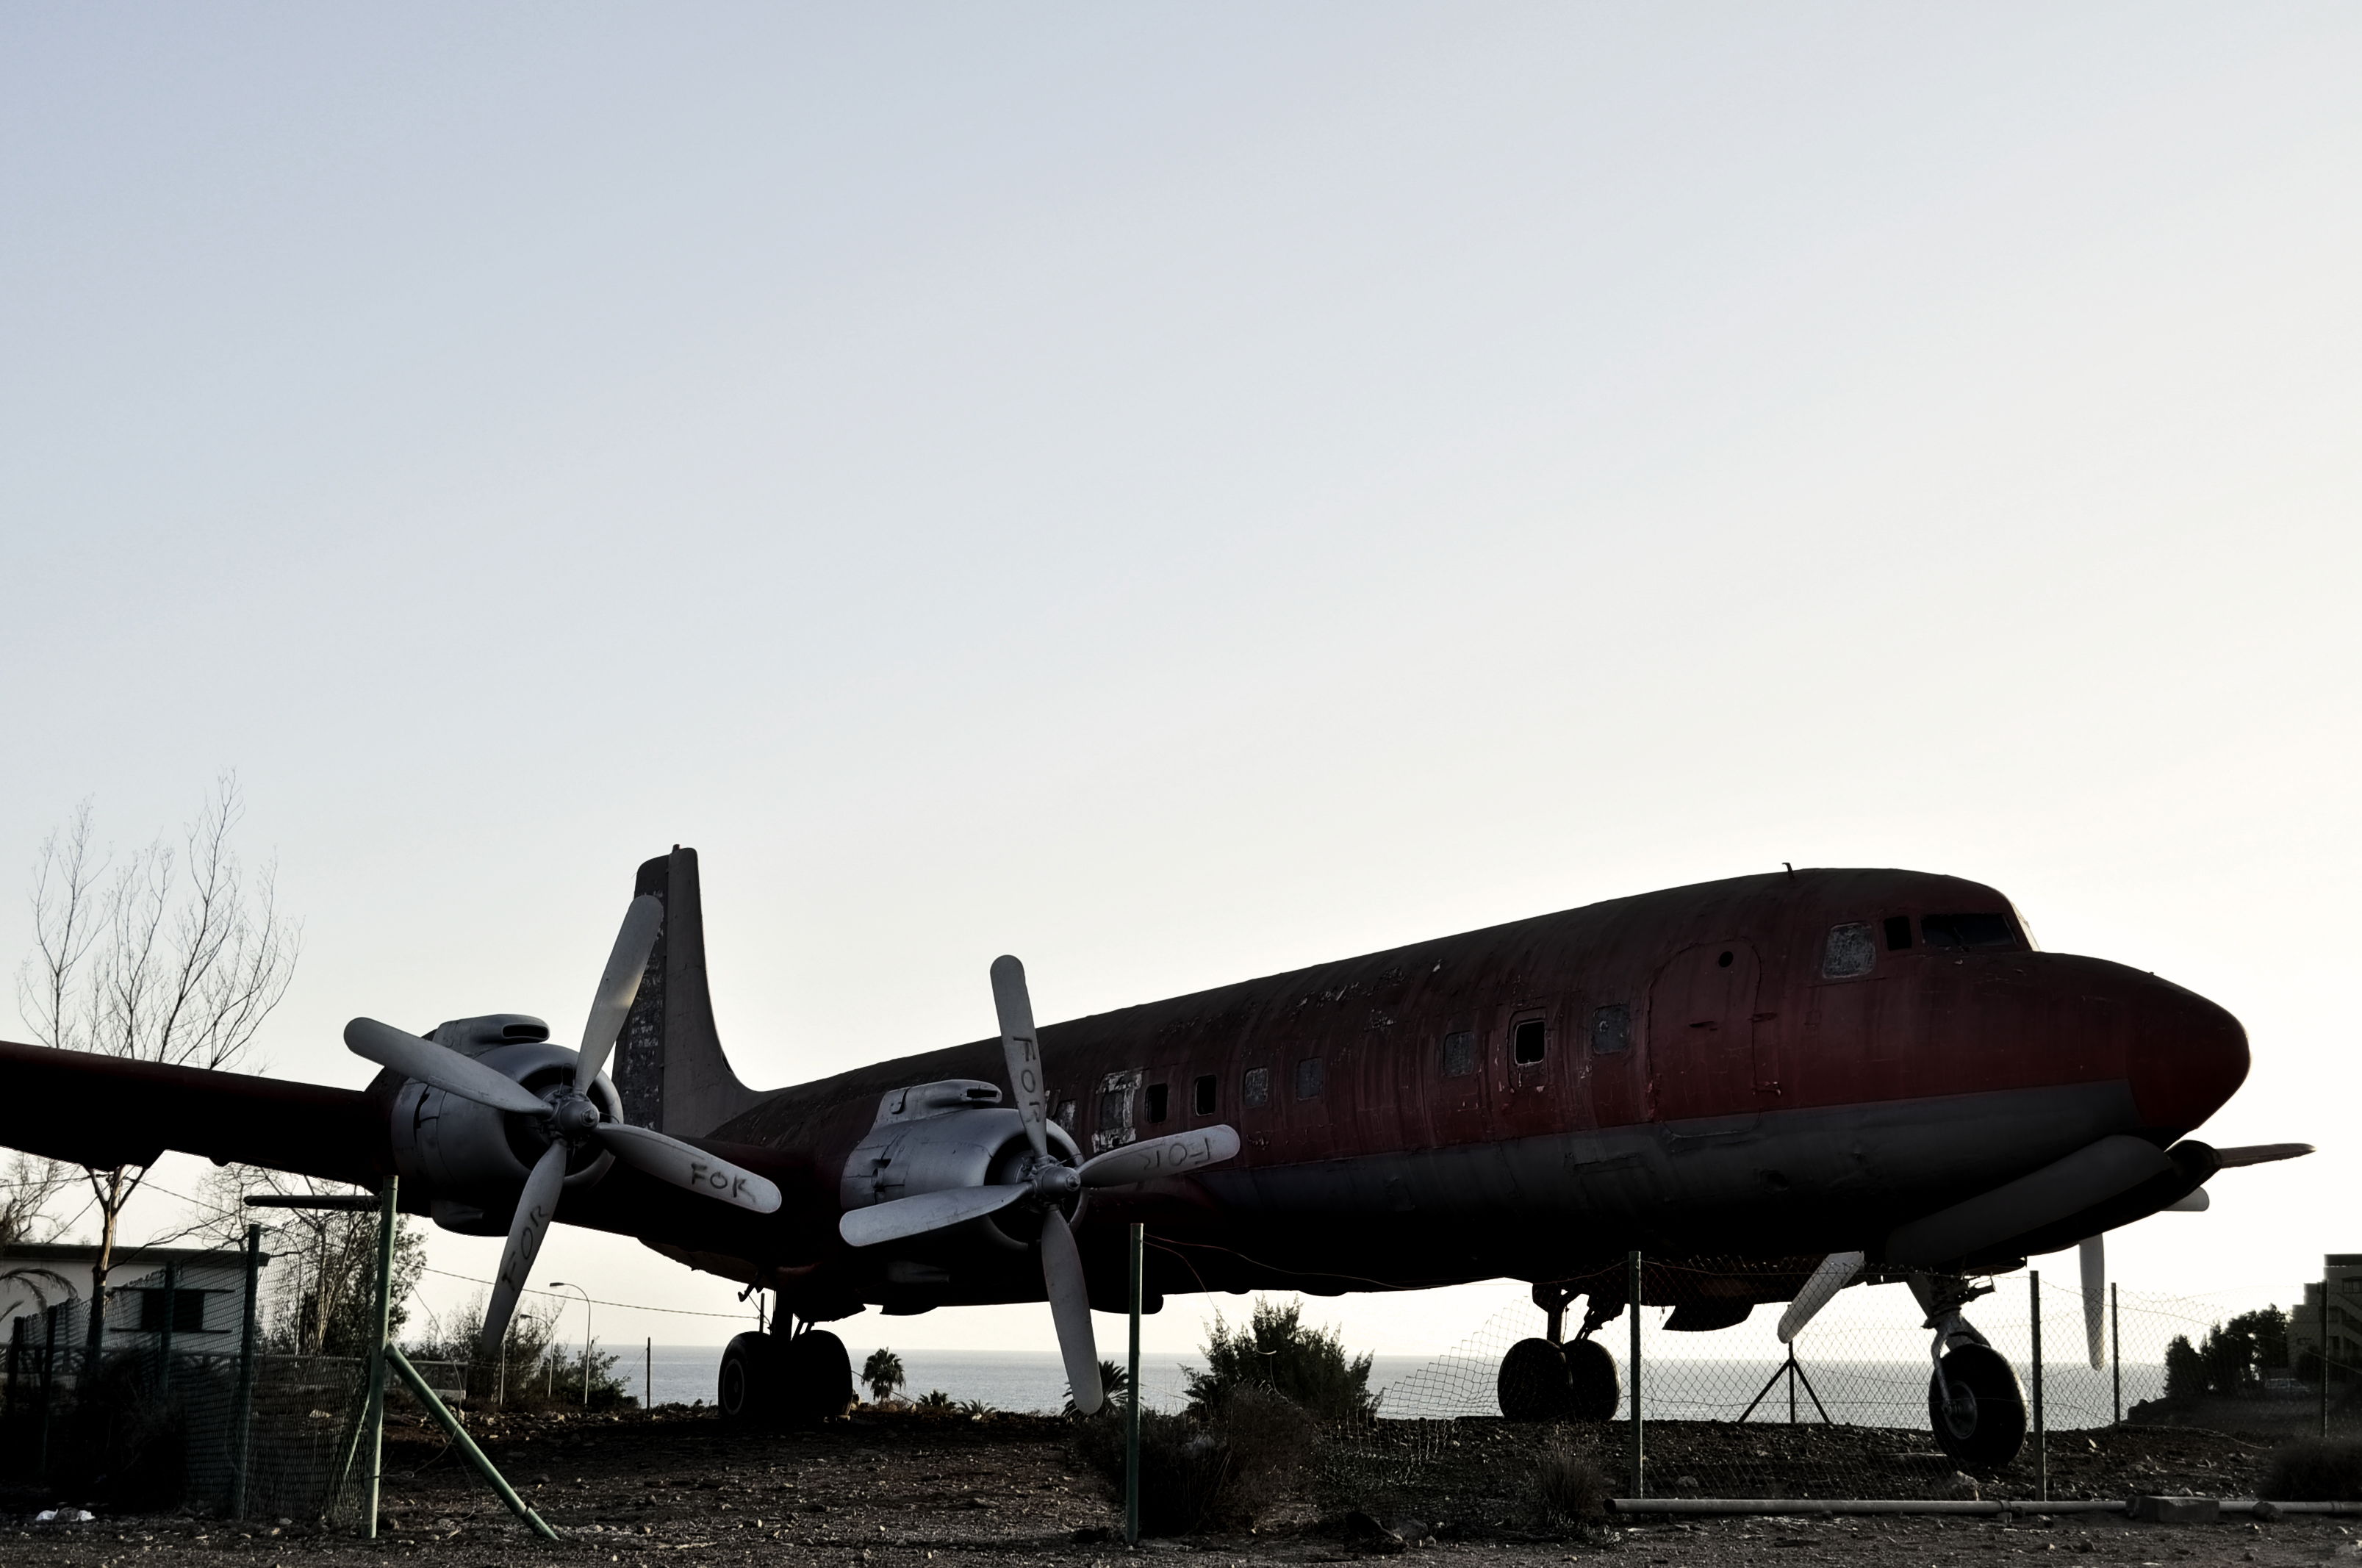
(884,1491)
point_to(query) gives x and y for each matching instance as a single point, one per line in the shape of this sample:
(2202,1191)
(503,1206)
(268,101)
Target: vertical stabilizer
(668,1064)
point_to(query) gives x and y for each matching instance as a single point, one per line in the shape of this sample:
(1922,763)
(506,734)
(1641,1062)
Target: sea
(1872,1393)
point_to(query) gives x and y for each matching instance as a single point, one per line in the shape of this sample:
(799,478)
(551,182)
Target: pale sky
(1183,493)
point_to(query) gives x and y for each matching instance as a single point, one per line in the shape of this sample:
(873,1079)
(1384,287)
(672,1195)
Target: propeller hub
(575,1116)
(1054,1182)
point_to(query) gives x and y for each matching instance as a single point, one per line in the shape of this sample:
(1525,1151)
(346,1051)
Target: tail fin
(668,1064)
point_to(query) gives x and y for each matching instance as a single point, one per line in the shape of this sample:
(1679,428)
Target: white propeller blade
(537,1206)
(925,1211)
(2094,1259)
(444,1069)
(1176,1154)
(1070,1310)
(1023,1049)
(617,986)
(685,1164)
(1836,1272)
(2192,1202)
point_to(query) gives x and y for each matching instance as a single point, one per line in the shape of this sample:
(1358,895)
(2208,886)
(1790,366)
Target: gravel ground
(910,1492)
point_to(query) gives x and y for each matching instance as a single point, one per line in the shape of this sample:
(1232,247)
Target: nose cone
(2186,1057)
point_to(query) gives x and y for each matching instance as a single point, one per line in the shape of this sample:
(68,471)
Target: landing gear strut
(1974,1405)
(1548,1380)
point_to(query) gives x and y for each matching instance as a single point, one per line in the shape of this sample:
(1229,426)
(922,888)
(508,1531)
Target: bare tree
(29,1195)
(174,956)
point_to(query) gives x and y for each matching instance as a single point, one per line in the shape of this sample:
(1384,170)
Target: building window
(1459,1054)
(1156,1101)
(1202,1096)
(1309,1078)
(187,1310)
(1254,1089)
(1898,933)
(1611,1029)
(1849,952)
(1528,1040)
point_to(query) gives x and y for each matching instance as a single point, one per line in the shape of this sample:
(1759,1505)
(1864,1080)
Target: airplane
(1781,1085)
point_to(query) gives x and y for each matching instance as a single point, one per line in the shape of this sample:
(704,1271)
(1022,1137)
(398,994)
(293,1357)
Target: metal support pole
(241,1420)
(383,1326)
(164,1333)
(648,1375)
(1632,1305)
(1791,1385)
(48,1390)
(466,1444)
(2115,1354)
(2325,1349)
(1132,1394)
(2041,1445)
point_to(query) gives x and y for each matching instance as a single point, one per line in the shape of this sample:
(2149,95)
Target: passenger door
(1702,1027)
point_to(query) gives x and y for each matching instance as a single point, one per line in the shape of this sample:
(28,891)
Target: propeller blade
(617,986)
(445,1069)
(1176,1154)
(685,1164)
(1015,1006)
(537,1206)
(2094,1259)
(1836,1272)
(924,1212)
(2259,1154)
(1070,1310)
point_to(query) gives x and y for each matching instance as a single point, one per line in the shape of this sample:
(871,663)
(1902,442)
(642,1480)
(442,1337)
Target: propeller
(572,1119)
(2093,1254)
(1048,1183)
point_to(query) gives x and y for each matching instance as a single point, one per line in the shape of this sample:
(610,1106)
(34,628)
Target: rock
(1686,1484)
(1364,1534)
(1961,1488)
(2176,1510)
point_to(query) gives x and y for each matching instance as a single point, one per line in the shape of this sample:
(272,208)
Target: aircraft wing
(105,1111)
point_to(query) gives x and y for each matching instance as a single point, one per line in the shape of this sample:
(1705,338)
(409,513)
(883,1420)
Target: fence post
(2324,1351)
(1132,1407)
(649,1371)
(2115,1355)
(2041,1445)
(241,1420)
(48,1391)
(1632,1292)
(383,1324)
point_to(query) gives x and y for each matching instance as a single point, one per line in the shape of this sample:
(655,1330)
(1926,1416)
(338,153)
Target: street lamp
(561,1285)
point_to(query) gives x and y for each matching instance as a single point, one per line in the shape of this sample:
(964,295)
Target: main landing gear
(1548,1380)
(1974,1403)
(792,1379)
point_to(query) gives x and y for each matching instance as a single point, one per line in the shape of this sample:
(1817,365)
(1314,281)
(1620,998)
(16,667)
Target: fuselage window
(1459,1054)
(1201,1095)
(1969,931)
(1898,933)
(1611,1029)
(1849,952)
(1528,1041)
(1309,1079)
(1066,1117)
(1255,1088)
(1156,1101)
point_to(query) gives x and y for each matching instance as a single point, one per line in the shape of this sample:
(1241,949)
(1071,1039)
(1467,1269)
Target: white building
(196,1295)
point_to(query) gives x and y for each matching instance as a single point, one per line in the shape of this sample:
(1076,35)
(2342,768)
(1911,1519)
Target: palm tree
(1114,1382)
(883,1373)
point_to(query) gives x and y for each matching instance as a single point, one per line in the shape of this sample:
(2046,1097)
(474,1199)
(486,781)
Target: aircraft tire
(1532,1385)
(815,1379)
(1593,1394)
(1985,1425)
(748,1385)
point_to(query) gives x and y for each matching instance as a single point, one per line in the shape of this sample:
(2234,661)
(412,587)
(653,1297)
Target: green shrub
(1278,1353)
(1223,1471)
(2317,1470)
(1567,1486)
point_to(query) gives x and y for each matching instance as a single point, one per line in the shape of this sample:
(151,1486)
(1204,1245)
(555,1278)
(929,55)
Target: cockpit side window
(1849,952)
(1959,931)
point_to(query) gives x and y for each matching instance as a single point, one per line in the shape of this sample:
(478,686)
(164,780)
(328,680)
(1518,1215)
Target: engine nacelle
(954,1134)
(472,1160)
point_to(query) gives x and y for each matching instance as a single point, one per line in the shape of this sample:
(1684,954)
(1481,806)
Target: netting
(2195,1396)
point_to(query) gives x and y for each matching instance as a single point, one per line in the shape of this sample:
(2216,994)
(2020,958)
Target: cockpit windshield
(1969,931)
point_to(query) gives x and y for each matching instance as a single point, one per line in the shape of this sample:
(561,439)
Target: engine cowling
(954,1133)
(472,1160)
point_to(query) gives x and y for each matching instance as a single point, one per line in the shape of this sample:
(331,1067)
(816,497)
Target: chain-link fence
(2132,1391)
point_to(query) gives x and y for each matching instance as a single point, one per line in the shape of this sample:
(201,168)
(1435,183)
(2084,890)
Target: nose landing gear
(773,1379)
(1974,1404)
(1548,1380)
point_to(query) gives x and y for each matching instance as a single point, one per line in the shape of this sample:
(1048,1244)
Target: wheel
(748,1387)
(1984,1424)
(815,1377)
(1592,1391)
(1533,1383)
